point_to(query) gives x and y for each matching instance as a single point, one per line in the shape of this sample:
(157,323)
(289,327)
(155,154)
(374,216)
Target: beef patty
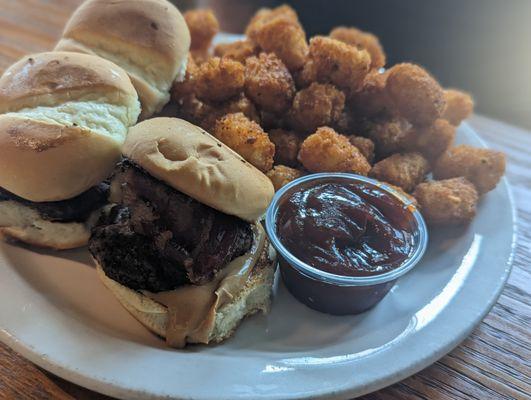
(156,238)
(76,209)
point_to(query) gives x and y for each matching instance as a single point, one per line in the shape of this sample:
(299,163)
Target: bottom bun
(24,224)
(254,296)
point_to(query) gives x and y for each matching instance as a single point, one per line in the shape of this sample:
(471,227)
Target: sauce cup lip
(343,280)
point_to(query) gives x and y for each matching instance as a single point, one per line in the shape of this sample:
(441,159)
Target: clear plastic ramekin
(340,294)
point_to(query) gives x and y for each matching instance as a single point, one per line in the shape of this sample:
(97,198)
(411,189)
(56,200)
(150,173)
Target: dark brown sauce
(350,229)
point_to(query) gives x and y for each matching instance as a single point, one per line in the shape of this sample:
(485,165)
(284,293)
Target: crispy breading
(364,145)
(327,151)
(219,79)
(483,167)
(416,94)
(459,106)
(372,99)
(284,37)
(287,145)
(435,139)
(447,202)
(332,61)
(405,170)
(281,175)
(264,15)
(203,26)
(363,41)
(246,138)
(238,51)
(317,105)
(181,90)
(391,136)
(268,83)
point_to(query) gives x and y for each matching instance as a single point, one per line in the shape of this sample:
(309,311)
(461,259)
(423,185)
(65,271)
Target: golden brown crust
(447,202)
(197,164)
(361,40)
(404,170)
(281,175)
(219,79)
(203,26)
(287,145)
(459,106)
(47,79)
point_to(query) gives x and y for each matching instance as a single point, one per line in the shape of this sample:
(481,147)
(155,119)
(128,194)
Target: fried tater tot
(286,39)
(287,145)
(363,41)
(327,151)
(405,170)
(459,106)
(372,99)
(268,83)
(332,61)
(246,138)
(435,139)
(416,94)
(203,26)
(219,79)
(391,136)
(447,202)
(364,145)
(317,105)
(211,113)
(238,51)
(281,175)
(483,167)
(265,15)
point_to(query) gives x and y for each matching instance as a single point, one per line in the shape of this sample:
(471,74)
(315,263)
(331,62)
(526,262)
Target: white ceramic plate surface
(55,312)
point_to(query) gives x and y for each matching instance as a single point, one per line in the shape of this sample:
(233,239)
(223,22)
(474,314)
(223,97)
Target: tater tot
(415,93)
(211,113)
(264,15)
(459,106)
(268,83)
(391,136)
(364,145)
(246,138)
(318,105)
(287,146)
(372,99)
(203,26)
(447,202)
(219,79)
(238,51)
(435,139)
(405,170)
(286,39)
(483,167)
(332,61)
(328,151)
(363,41)
(281,175)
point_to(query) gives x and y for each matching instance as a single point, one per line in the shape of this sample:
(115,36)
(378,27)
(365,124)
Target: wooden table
(494,362)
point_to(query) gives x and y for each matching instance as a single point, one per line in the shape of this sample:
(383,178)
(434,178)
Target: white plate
(55,312)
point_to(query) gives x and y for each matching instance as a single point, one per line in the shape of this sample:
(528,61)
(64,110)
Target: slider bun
(147,38)
(63,119)
(254,296)
(22,223)
(192,161)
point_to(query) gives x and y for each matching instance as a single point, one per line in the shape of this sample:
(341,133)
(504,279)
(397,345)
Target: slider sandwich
(147,38)
(63,120)
(181,246)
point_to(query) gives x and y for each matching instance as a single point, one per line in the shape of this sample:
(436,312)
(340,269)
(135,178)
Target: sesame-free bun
(63,119)
(192,161)
(147,38)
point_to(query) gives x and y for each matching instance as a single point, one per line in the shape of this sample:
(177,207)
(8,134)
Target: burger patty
(76,209)
(156,238)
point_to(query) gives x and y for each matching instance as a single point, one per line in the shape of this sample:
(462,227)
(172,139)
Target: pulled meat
(76,209)
(156,238)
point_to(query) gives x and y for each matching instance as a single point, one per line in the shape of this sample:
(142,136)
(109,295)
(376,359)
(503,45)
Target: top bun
(192,161)
(63,119)
(147,38)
